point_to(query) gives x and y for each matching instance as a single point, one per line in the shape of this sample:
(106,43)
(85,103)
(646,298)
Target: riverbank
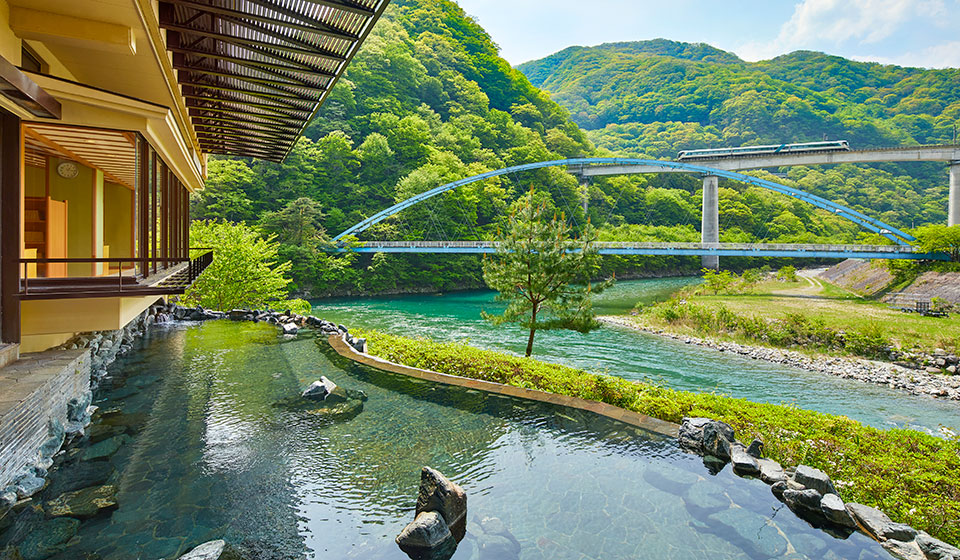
(870,371)
(911,476)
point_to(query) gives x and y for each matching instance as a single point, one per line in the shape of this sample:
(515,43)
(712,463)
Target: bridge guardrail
(678,245)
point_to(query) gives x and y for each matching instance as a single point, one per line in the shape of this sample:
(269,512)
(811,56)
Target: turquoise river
(636,355)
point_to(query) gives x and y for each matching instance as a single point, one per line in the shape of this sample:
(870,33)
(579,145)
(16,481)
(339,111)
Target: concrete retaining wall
(603,409)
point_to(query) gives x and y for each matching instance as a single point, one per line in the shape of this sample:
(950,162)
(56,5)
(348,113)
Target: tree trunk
(533,331)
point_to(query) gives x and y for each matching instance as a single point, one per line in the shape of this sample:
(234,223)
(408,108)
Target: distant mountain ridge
(652,96)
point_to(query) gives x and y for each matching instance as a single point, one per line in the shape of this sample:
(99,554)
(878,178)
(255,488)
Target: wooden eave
(254,72)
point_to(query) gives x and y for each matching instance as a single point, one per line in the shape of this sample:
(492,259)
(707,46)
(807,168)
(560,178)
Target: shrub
(787,274)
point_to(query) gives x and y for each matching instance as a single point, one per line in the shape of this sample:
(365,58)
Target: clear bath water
(215,443)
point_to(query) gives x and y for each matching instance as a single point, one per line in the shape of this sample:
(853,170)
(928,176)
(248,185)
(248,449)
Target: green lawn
(839,309)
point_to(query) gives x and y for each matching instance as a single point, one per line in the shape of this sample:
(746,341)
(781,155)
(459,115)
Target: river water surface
(636,355)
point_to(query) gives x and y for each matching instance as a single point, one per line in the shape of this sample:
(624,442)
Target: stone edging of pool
(341,346)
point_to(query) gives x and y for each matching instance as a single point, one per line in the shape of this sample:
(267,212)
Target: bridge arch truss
(655,166)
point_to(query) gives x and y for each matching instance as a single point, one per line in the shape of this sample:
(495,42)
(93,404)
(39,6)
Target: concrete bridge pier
(710,222)
(953,210)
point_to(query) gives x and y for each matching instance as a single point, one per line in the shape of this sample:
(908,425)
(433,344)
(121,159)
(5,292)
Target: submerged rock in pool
(339,410)
(105,448)
(49,538)
(322,390)
(427,538)
(83,503)
(212,550)
(438,493)
(82,474)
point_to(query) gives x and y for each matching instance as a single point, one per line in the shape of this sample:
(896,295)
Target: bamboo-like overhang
(253,72)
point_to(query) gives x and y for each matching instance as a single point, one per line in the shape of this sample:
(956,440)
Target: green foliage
(245,272)
(543,274)
(936,238)
(787,274)
(913,477)
(789,331)
(718,280)
(297,223)
(657,97)
(428,101)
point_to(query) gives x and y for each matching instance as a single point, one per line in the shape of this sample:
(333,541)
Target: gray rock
(778,488)
(935,549)
(439,494)
(903,550)
(48,538)
(810,477)
(879,525)
(427,538)
(105,448)
(691,433)
(319,390)
(807,500)
(835,511)
(743,463)
(770,471)
(212,550)
(717,438)
(83,503)
(755,449)
(290,328)
(28,485)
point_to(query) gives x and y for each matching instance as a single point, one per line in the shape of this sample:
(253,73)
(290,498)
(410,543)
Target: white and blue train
(833,146)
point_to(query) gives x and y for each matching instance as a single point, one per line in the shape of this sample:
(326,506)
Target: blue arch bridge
(710,249)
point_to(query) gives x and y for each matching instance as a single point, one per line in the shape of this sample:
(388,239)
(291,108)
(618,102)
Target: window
(29,61)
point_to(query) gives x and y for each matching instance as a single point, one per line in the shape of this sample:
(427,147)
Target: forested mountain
(658,97)
(428,101)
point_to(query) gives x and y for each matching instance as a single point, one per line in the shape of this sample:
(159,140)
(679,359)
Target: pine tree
(543,274)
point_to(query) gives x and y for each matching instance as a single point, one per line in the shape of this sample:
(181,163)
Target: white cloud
(867,21)
(944,55)
(827,24)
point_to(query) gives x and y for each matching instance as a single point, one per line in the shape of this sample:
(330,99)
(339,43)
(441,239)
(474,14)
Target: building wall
(79,194)
(117,219)
(35,181)
(36,390)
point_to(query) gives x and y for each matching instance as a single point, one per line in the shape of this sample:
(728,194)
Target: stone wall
(35,393)
(863,277)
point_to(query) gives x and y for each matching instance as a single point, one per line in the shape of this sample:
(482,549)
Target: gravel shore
(881,373)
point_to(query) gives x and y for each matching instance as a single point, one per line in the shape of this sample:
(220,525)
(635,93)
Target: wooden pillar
(143,178)
(153,212)
(164,211)
(11,161)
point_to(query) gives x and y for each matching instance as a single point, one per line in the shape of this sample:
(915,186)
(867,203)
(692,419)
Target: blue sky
(907,32)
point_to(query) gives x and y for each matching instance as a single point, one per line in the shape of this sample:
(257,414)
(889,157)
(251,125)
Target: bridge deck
(675,249)
(945,153)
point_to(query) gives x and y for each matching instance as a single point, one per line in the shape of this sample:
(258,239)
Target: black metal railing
(127,281)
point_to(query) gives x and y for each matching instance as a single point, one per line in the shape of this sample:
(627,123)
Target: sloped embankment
(943,285)
(869,278)
(860,276)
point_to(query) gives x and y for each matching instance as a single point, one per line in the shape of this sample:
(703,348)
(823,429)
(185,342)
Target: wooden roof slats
(255,71)
(110,151)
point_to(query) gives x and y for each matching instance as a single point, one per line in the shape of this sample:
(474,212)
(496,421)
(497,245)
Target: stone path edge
(616,413)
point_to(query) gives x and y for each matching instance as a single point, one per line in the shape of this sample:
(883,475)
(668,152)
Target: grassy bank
(913,477)
(809,315)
